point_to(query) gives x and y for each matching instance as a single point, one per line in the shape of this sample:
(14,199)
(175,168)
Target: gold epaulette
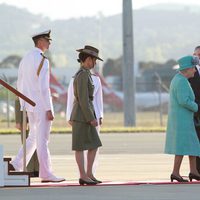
(41,64)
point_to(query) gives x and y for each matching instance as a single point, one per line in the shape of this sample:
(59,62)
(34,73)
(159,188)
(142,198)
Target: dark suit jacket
(195,84)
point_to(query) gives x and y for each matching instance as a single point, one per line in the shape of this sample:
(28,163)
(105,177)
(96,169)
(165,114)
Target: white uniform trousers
(37,140)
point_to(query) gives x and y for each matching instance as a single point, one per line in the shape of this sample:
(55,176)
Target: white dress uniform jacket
(97,102)
(37,89)
(34,87)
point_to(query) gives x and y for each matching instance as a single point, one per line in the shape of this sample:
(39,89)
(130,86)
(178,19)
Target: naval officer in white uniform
(33,82)
(97,102)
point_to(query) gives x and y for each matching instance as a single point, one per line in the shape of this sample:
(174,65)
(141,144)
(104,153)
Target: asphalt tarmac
(124,157)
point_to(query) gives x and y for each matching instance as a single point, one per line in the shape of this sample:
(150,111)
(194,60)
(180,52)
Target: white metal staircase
(11,178)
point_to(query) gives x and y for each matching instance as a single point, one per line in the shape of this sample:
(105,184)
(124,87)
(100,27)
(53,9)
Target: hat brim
(185,67)
(82,51)
(48,38)
(45,37)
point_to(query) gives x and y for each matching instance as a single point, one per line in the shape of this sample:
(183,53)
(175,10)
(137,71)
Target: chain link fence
(151,107)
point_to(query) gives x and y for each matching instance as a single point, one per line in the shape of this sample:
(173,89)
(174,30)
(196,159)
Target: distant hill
(161,32)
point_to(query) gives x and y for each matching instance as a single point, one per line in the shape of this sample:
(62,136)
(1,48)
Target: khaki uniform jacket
(97,101)
(83,110)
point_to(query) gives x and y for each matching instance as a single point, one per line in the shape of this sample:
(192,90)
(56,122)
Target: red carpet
(109,183)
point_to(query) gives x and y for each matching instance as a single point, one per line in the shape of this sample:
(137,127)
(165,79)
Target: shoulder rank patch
(41,64)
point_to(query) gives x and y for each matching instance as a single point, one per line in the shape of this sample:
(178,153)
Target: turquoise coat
(181,137)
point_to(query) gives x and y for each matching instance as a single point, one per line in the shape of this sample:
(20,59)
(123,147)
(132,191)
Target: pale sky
(65,9)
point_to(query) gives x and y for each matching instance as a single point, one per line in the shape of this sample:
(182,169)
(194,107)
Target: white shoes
(53,179)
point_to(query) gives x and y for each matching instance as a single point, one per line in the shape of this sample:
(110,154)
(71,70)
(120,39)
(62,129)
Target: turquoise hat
(188,62)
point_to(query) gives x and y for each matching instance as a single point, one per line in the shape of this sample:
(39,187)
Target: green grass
(103,130)
(112,122)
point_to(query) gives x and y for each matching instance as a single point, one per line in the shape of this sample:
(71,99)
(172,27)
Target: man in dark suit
(195,84)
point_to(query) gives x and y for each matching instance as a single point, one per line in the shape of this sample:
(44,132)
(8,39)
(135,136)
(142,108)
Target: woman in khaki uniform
(84,133)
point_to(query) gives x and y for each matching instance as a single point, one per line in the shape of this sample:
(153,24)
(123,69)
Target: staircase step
(19,173)
(6,167)
(1,167)
(6,159)
(14,178)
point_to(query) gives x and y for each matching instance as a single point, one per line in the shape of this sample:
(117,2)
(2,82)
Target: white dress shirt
(198,68)
(97,102)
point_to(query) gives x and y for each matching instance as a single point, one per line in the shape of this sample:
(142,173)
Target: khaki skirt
(84,137)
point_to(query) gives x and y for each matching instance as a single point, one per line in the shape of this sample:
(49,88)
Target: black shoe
(194,176)
(10,167)
(34,174)
(95,180)
(177,178)
(84,182)
(198,164)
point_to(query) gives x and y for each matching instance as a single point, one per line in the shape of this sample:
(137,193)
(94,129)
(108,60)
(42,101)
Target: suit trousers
(33,165)
(37,140)
(198,158)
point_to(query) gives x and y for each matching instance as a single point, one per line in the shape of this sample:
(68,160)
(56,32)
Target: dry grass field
(114,119)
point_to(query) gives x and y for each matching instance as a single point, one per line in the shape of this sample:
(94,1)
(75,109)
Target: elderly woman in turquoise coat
(181,137)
